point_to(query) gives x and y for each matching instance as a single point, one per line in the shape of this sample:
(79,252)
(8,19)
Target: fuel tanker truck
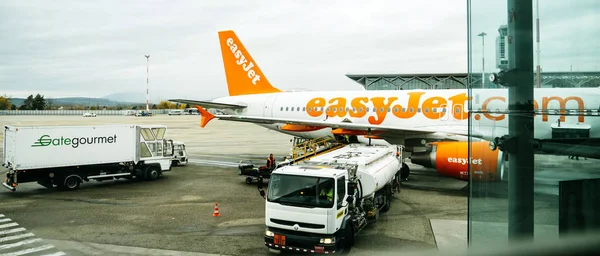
(319,205)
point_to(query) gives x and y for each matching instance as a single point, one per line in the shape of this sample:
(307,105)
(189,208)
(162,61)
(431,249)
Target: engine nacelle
(452,159)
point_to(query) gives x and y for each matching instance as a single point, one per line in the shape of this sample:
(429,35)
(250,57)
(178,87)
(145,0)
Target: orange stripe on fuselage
(301,128)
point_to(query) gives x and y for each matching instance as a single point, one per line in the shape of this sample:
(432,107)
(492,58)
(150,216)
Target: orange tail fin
(243,74)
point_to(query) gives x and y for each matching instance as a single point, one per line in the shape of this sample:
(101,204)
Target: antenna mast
(538,75)
(147,61)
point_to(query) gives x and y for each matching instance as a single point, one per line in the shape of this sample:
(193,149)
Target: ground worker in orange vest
(271,162)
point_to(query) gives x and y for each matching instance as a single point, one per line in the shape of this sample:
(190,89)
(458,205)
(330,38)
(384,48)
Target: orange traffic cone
(216,213)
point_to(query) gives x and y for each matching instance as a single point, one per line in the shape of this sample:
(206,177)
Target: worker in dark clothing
(271,162)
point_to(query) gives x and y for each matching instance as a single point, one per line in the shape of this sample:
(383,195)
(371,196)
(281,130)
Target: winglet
(206,116)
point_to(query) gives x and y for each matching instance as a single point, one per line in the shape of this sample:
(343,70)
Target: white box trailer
(320,205)
(65,156)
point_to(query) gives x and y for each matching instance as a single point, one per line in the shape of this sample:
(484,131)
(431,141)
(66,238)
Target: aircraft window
(303,108)
(457,110)
(341,109)
(286,108)
(418,110)
(381,110)
(333,110)
(389,110)
(403,109)
(395,110)
(354,109)
(411,110)
(292,109)
(281,109)
(426,110)
(327,109)
(360,109)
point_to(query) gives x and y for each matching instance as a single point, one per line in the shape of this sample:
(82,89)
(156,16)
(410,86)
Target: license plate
(279,239)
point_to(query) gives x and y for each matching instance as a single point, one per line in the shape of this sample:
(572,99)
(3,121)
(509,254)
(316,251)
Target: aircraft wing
(209,104)
(379,130)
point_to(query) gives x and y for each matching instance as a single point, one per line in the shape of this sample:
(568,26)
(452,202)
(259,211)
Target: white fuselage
(444,109)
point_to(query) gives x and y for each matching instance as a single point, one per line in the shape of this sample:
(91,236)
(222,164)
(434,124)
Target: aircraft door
(269,105)
(457,109)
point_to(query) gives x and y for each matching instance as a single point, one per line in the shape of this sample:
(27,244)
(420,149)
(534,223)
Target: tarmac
(173,215)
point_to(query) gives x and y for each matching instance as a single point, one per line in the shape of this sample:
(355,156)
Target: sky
(96,48)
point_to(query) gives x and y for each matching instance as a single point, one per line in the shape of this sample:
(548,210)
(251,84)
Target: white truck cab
(180,156)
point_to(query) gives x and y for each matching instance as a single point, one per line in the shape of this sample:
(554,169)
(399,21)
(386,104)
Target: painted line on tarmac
(213,163)
(15,241)
(87,248)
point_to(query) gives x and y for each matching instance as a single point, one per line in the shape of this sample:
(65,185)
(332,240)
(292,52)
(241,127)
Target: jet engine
(452,159)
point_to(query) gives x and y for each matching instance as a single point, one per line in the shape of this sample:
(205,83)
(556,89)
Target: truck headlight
(269,233)
(327,240)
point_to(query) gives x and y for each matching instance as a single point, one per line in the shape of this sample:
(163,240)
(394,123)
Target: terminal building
(462,81)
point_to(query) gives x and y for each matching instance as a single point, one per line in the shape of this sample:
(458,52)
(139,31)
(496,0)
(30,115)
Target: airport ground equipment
(252,172)
(300,217)
(65,156)
(180,156)
(302,150)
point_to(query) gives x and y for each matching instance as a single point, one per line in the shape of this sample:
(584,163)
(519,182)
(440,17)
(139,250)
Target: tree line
(38,102)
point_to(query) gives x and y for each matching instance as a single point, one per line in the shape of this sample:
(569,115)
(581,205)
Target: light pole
(482,35)
(147,69)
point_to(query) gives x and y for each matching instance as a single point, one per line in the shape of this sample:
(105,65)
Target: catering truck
(320,205)
(65,156)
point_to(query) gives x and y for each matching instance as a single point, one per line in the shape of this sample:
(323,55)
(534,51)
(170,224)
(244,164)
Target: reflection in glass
(566,105)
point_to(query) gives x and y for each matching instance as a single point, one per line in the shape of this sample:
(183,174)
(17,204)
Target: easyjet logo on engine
(247,66)
(464,161)
(434,107)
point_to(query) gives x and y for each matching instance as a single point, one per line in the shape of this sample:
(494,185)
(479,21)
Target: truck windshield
(302,191)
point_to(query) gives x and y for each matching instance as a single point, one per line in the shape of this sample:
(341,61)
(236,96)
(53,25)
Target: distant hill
(131,97)
(78,101)
(114,99)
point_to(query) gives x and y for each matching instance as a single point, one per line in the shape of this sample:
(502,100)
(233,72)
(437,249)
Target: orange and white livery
(414,118)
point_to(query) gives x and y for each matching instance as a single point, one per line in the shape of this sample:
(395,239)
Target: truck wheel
(152,173)
(71,182)
(249,180)
(404,171)
(388,199)
(348,240)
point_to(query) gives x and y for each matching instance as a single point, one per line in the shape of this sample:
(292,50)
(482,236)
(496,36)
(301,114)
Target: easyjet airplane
(413,118)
